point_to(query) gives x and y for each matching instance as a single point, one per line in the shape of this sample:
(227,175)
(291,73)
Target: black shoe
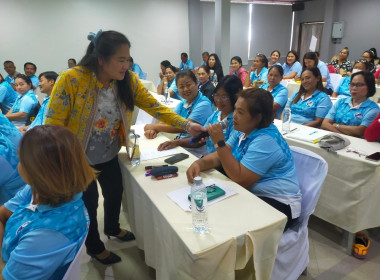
(111,259)
(128,236)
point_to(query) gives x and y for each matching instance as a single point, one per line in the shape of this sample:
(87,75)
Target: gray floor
(328,258)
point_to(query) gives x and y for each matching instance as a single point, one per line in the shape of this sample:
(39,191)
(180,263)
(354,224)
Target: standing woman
(214,64)
(310,104)
(237,69)
(292,67)
(205,86)
(95,100)
(274,57)
(258,71)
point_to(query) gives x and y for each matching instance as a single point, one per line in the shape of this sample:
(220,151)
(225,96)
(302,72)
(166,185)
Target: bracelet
(186,125)
(337,126)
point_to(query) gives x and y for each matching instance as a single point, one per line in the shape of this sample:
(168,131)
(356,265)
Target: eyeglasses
(220,97)
(361,61)
(355,151)
(358,85)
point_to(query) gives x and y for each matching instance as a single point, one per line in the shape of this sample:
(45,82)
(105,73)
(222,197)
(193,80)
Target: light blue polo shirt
(137,69)
(35,81)
(7,128)
(343,88)
(173,86)
(40,118)
(199,111)
(9,79)
(296,67)
(40,241)
(266,153)
(280,96)
(262,76)
(343,113)
(185,66)
(7,97)
(325,74)
(24,103)
(305,111)
(215,118)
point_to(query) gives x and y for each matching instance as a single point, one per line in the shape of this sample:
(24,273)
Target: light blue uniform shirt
(199,111)
(137,69)
(35,81)
(9,79)
(280,96)
(305,111)
(188,65)
(343,89)
(343,113)
(7,128)
(40,241)
(263,75)
(296,67)
(24,103)
(266,153)
(173,86)
(7,97)
(215,118)
(40,118)
(325,73)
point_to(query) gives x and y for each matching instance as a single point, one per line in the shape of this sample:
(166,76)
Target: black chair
(32,115)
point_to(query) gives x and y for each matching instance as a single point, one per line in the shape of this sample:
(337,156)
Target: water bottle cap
(132,131)
(197,179)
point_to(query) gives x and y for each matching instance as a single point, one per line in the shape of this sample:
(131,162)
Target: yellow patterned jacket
(74,101)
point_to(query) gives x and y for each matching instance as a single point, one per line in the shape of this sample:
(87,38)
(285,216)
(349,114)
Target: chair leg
(304,272)
(350,241)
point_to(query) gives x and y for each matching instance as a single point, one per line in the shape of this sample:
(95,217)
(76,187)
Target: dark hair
(218,64)
(317,53)
(316,73)
(279,69)
(30,63)
(165,63)
(294,53)
(371,56)
(279,54)
(259,101)
(346,48)
(25,78)
(312,56)
(184,54)
(106,46)
(205,53)
(49,75)
(73,59)
(232,85)
(131,59)
(373,50)
(1,78)
(185,73)
(206,68)
(369,79)
(238,59)
(365,62)
(171,67)
(8,61)
(264,59)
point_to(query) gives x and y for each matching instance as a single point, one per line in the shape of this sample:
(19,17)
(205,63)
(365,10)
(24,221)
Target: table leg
(350,241)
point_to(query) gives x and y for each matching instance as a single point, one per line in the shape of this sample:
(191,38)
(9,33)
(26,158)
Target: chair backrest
(335,79)
(73,272)
(284,83)
(311,172)
(33,113)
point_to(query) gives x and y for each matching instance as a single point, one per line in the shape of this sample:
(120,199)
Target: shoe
(361,245)
(128,236)
(111,259)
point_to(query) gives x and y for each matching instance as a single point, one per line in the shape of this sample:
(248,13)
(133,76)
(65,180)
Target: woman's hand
(195,128)
(150,132)
(216,132)
(164,79)
(161,75)
(167,145)
(193,171)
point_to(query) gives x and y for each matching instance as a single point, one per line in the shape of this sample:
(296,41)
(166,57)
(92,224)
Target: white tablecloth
(149,85)
(351,192)
(242,226)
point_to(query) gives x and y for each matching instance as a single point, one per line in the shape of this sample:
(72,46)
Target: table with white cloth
(350,195)
(149,85)
(242,227)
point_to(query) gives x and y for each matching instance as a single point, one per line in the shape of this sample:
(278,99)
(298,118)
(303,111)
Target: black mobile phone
(374,156)
(176,158)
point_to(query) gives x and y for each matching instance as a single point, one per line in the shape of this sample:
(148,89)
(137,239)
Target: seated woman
(255,156)
(169,82)
(310,104)
(341,64)
(352,115)
(46,222)
(194,107)
(278,91)
(8,95)
(205,85)
(292,67)
(163,65)
(274,57)
(343,88)
(134,67)
(372,133)
(25,102)
(10,180)
(215,65)
(237,69)
(311,59)
(257,74)
(369,56)
(376,59)
(224,99)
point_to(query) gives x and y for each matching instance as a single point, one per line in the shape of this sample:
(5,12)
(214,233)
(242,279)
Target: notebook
(308,134)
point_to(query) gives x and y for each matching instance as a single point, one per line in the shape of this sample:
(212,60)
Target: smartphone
(374,156)
(176,158)
(213,192)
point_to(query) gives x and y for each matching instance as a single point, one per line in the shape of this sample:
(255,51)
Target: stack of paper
(308,134)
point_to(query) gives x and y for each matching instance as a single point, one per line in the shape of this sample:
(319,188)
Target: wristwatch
(220,144)
(337,126)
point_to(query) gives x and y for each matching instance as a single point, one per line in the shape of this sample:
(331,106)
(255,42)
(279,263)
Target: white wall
(57,30)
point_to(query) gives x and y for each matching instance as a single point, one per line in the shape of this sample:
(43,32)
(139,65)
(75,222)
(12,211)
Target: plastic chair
(73,272)
(335,79)
(293,250)
(284,83)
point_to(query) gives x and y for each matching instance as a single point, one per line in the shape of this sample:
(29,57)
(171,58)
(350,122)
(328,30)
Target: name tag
(310,103)
(358,115)
(22,226)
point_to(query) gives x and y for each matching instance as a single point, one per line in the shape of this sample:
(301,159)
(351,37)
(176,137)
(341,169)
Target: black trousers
(110,181)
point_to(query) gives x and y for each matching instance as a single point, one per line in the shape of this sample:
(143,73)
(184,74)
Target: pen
(290,131)
(313,133)
(154,166)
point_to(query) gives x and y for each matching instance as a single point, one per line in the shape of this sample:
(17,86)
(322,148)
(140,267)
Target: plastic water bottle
(286,118)
(199,205)
(167,95)
(134,148)
(211,76)
(215,80)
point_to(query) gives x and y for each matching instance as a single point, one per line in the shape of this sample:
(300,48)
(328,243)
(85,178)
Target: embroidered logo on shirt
(310,103)
(22,226)
(358,115)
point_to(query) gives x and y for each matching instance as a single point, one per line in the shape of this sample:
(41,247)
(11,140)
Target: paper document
(153,153)
(313,43)
(180,196)
(308,134)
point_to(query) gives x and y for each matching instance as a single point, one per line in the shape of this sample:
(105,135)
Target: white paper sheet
(313,43)
(180,196)
(148,154)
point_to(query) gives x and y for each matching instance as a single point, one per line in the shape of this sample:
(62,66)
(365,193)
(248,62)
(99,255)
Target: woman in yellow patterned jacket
(95,100)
